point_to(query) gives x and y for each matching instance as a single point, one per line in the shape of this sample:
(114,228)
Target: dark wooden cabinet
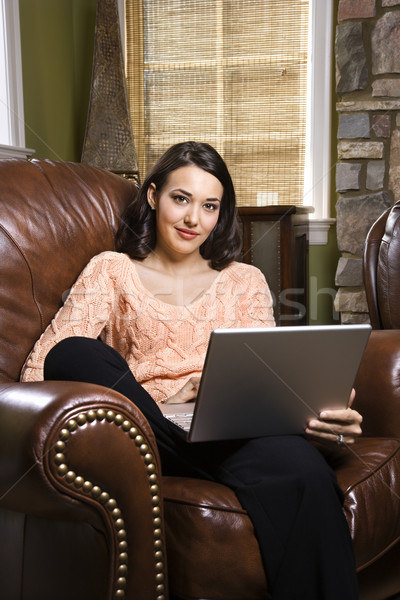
(275,239)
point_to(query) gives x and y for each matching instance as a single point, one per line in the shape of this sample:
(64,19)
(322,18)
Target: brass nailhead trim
(110,503)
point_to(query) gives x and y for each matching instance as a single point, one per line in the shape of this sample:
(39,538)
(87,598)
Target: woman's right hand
(187,393)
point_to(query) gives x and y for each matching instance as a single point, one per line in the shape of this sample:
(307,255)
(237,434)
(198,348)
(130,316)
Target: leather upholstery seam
(374,471)
(15,243)
(205,506)
(378,556)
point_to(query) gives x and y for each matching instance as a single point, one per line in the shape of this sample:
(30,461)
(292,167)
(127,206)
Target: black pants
(286,486)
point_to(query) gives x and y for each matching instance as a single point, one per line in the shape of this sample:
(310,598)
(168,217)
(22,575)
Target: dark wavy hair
(137,234)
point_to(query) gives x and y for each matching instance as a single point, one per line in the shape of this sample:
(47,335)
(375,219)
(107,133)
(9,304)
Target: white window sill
(14,152)
(318,231)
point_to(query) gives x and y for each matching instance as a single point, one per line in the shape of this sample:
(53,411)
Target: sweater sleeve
(84,313)
(256,304)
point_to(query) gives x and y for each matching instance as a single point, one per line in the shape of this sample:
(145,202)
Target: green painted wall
(57,50)
(322,290)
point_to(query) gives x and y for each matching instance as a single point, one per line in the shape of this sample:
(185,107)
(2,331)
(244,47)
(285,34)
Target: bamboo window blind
(232,73)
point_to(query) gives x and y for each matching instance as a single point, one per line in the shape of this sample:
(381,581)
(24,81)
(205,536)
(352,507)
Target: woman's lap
(284,483)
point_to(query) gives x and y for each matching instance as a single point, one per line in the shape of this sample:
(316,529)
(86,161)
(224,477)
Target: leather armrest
(80,451)
(378,385)
(370,262)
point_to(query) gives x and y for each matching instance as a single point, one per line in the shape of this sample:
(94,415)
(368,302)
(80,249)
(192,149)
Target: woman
(153,305)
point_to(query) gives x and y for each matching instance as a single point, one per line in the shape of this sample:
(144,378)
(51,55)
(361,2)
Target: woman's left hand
(340,426)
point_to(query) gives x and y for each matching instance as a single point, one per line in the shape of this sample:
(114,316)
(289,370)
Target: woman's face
(187,209)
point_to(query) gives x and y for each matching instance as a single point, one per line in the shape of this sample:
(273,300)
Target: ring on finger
(340,439)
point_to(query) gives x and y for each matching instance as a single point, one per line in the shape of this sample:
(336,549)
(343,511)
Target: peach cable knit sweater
(163,344)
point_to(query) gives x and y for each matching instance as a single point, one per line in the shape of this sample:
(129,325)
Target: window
(12,126)
(240,74)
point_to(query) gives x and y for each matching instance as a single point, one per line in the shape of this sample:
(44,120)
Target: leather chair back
(382,270)
(54,217)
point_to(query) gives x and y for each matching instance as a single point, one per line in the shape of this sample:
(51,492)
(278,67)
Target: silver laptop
(270,381)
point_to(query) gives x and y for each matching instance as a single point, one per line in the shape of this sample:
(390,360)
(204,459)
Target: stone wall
(367,53)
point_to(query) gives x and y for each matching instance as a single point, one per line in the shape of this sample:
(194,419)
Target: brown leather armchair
(84,510)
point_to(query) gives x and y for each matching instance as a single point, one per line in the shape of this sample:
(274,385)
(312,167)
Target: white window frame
(10,38)
(317,181)
(317,184)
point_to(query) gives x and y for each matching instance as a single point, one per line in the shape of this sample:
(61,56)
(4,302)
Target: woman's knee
(77,358)
(272,461)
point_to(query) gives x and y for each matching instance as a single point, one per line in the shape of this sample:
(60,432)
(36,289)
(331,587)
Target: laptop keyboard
(183,420)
